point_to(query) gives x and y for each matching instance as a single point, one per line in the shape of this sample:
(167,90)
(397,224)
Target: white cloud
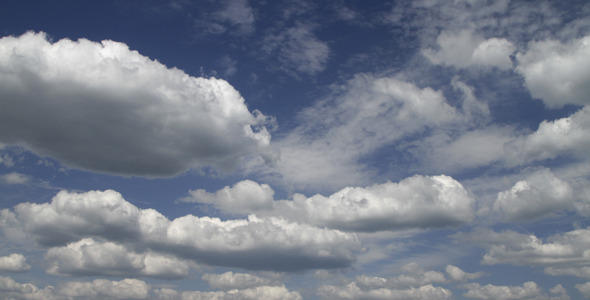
(418,201)
(456,274)
(230,281)
(125,113)
(14,263)
(464,49)
(89,257)
(102,288)
(297,48)
(557,73)
(564,136)
(536,196)
(253,243)
(560,254)
(353,291)
(415,202)
(14,178)
(243,198)
(261,292)
(584,289)
(97,289)
(366,114)
(529,290)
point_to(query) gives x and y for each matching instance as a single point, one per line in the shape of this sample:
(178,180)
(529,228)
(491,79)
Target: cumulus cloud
(353,291)
(560,254)
(102,288)
(14,263)
(557,73)
(584,289)
(126,114)
(529,290)
(464,49)
(89,257)
(415,202)
(413,283)
(366,114)
(261,292)
(230,281)
(255,243)
(243,198)
(538,195)
(97,289)
(297,48)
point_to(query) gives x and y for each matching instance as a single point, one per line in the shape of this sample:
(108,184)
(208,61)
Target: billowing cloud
(464,49)
(415,202)
(560,254)
(255,243)
(529,290)
(538,195)
(353,291)
(243,198)
(125,113)
(97,289)
(230,281)
(88,257)
(14,263)
(557,73)
(261,292)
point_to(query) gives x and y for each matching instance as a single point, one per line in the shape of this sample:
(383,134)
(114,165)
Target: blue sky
(294,149)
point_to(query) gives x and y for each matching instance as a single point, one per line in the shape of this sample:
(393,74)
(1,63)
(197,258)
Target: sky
(294,149)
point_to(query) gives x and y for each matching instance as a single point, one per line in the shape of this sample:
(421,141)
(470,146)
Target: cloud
(230,281)
(538,195)
(458,275)
(125,113)
(102,288)
(88,257)
(584,289)
(239,14)
(14,263)
(261,292)
(557,73)
(353,291)
(529,290)
(464,49)
(560,254)
(97,289)
(297,48)
(244,197)
(507,145)
(14,178)
(336,133)
(415,202)
(255,243)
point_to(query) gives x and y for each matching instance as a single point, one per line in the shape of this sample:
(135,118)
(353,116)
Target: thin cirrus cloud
(415,202)
(81,229)
(126,114)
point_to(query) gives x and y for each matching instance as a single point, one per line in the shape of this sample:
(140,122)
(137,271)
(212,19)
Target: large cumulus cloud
(99,231)
(106,108)
(415,202)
